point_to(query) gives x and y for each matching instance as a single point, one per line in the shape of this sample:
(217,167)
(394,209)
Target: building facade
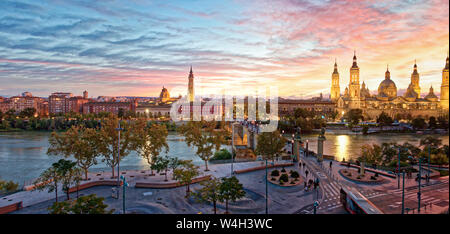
(111,107)
(386,100)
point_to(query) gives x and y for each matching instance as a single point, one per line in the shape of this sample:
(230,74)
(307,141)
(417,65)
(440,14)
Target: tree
(162,164)
(418,123)
(49,179)
(209,192)
(27,112)
(432,123)
(384,119)
(152,140)
(90,204)
(108,138)
(371,154)
(186,173)
(354,116)
(78,142)
(230,190)
(174,164)
(8,186)
(203,136)
(270,144)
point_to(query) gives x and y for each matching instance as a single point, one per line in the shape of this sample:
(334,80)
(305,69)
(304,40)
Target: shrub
(373,178)
(222,154)
(283,170)
(376,174)
(284,178)
(359,177)
(275,173)
(292,182)
(294,174)
(273,179)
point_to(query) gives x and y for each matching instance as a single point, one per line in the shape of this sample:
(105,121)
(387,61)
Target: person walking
(331,164)
(306,173)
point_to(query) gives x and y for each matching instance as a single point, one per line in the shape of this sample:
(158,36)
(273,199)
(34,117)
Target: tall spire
(446,62)
(335,67)
(355,65)
(387,75)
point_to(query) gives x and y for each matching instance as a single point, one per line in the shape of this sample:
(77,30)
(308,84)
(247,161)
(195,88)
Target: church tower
(444,86)
(354,89)
(191,94)
(415,80)
(335,88)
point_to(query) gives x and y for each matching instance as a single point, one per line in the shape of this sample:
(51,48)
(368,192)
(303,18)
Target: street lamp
(398,168)
(429,161)
(118,159)
(267,191)
(403,193)
(307,151)
(125,184)
(420,178)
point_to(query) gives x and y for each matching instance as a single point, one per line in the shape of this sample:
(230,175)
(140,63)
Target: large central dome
(387,87)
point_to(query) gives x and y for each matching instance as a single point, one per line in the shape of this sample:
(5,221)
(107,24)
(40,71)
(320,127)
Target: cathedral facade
(386,100)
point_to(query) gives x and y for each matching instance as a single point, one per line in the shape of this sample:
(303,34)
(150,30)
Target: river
(23,155)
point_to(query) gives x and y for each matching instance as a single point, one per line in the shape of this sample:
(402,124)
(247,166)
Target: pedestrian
(306,173)
(331,164)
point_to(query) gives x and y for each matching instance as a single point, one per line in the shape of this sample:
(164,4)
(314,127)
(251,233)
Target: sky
(135,47)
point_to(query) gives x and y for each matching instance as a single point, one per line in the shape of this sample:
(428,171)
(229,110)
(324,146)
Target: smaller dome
(431,96)
(164,95)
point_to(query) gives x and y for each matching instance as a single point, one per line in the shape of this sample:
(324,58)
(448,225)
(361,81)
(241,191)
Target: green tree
(418,123)
(8,186)
(174,164)
(78,142)
(108,138)
(152,140)
(49,180)
(162,164)
(354,116)
(209,192)
(432,123)
(384,119)
(186,173)
(230,190)
(204,137)
(270,144)
(90,204)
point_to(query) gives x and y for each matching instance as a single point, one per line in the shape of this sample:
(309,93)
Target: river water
(23,155)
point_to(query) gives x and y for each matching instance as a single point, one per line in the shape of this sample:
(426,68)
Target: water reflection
(23,154)
(342,142)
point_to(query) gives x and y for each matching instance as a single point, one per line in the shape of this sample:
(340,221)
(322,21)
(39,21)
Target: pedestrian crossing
(332,195)
(425,199)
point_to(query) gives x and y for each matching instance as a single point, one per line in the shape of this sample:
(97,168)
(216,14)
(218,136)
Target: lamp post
(307,151)
(398,168)
(125,184)
(118,159)
(267,191)
(420,178)
(403,193)
(429,161)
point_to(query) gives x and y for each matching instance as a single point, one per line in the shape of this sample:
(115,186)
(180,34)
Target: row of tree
(386,155)
(302,118)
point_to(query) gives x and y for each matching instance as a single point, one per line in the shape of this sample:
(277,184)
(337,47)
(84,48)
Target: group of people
(311,183)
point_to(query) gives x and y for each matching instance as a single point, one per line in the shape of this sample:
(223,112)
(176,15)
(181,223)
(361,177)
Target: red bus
(355,203)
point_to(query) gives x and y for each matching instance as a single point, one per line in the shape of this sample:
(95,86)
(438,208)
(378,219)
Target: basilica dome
(387,87)
(431,96)
(164,95)
(410,94)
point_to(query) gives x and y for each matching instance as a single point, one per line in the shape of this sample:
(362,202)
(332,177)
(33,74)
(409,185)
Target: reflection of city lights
(342,149)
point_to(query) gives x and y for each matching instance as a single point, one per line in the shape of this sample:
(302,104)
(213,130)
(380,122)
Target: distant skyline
(134,48)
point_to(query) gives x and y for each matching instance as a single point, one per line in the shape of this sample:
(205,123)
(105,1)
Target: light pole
(125,184)
(307,151)
(420,178)
(403,193)
(267,191)
(118,159)
(398,168)
(429,161)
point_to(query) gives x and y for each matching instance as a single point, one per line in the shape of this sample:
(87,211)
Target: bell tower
(354,89)
(335,88)
(191,94)
(415,80)
(444,86)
